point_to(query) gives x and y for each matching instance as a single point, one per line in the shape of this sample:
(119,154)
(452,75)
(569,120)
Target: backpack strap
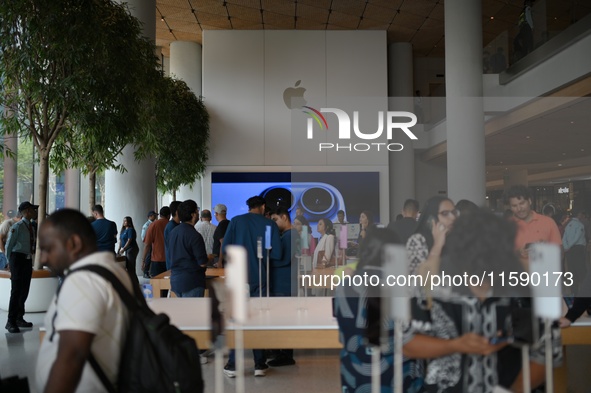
(132,302)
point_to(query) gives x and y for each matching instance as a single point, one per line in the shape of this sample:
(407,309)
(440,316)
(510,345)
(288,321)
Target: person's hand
(475,344)
(439,232)
(564,323)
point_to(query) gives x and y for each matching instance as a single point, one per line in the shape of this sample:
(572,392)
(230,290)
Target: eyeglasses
(446,213)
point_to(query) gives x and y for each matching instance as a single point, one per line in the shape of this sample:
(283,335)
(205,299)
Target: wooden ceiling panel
(349,7)
(320,4)
(244,13)
(437,12)
(312,13)
(189,27)
(241,24)
(305,24)
(343,20)
(379,13)
(410,21)
(371,24)
(219,21)
(418,7)
(211,7)
(393,4)
(285,7)
(256,4)
(278,19)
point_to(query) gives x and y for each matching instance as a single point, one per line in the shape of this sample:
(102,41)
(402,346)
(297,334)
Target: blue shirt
(126,234)
(167,230)
(106,234)
(283,273)
(244,230)
(187,254)
(574,234)
(19,238)
(145,229)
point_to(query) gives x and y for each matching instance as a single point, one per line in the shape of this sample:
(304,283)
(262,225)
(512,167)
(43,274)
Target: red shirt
(540,229)
(155,237)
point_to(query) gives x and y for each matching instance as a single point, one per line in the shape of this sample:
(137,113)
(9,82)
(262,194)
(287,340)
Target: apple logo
(294,96)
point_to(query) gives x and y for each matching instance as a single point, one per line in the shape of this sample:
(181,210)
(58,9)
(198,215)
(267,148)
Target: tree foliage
(73,72)
(181,149)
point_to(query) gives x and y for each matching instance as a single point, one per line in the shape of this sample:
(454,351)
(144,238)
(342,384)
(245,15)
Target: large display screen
(317,194)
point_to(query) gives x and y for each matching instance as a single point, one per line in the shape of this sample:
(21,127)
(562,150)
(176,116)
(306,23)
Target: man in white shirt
(206,229)
(86,316)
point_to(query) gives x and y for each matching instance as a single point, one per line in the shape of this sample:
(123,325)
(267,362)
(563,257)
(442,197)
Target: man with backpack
(86,316)
(101,334)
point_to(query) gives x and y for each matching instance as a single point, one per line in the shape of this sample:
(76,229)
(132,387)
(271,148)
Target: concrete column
(466,173)
(185,65)
(10,201)
(400,93)
(72,183)
(133,193)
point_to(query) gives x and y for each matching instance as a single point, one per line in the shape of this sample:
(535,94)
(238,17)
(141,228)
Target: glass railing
(531,28)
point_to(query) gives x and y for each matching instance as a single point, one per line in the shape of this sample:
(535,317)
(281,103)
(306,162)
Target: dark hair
(370,249)
(205,214)
(341,212)
(411,204)
(369,216)
(186,209)
(481,242)
(281,210)
(517,191)
(174,206)
(70,222)
(165,211)
(304,221)
(98,209)
(465,206)
(255,201)
(129,224)
(431,210)
(328,225)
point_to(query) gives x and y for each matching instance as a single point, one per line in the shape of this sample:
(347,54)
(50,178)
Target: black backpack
(157,357)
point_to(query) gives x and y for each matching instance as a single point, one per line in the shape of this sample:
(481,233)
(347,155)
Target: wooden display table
(161,282)
(283,323)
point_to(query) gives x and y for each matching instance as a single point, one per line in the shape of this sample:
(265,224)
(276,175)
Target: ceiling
(554,145)
(419,22)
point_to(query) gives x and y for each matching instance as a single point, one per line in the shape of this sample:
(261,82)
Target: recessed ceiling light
(564,154)
(527,137)
(559,164)
(582,149)
(572,122)
(492,18)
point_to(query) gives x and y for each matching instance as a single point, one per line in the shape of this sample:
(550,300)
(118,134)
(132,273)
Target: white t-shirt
(88,303)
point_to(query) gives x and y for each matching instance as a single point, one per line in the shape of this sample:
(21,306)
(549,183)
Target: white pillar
(400,91)
(185,65)
(72,186)
(10,201)
(133,193)
(466,171)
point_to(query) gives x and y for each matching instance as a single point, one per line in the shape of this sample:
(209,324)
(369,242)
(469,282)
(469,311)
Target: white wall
(244,76)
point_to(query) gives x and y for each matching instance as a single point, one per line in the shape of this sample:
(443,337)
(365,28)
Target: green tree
(181,149)
(71,67)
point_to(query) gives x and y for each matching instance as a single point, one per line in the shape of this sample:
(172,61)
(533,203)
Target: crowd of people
(458,338)
(448,343)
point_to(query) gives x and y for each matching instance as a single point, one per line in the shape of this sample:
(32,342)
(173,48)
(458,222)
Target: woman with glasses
(426,244)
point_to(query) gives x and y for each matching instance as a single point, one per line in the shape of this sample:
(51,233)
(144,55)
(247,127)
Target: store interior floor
(315,370)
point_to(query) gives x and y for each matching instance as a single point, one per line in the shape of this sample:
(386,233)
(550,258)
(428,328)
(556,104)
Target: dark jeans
(21,271)
(130,260)
(148,263)
(259,358)
(156,268)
